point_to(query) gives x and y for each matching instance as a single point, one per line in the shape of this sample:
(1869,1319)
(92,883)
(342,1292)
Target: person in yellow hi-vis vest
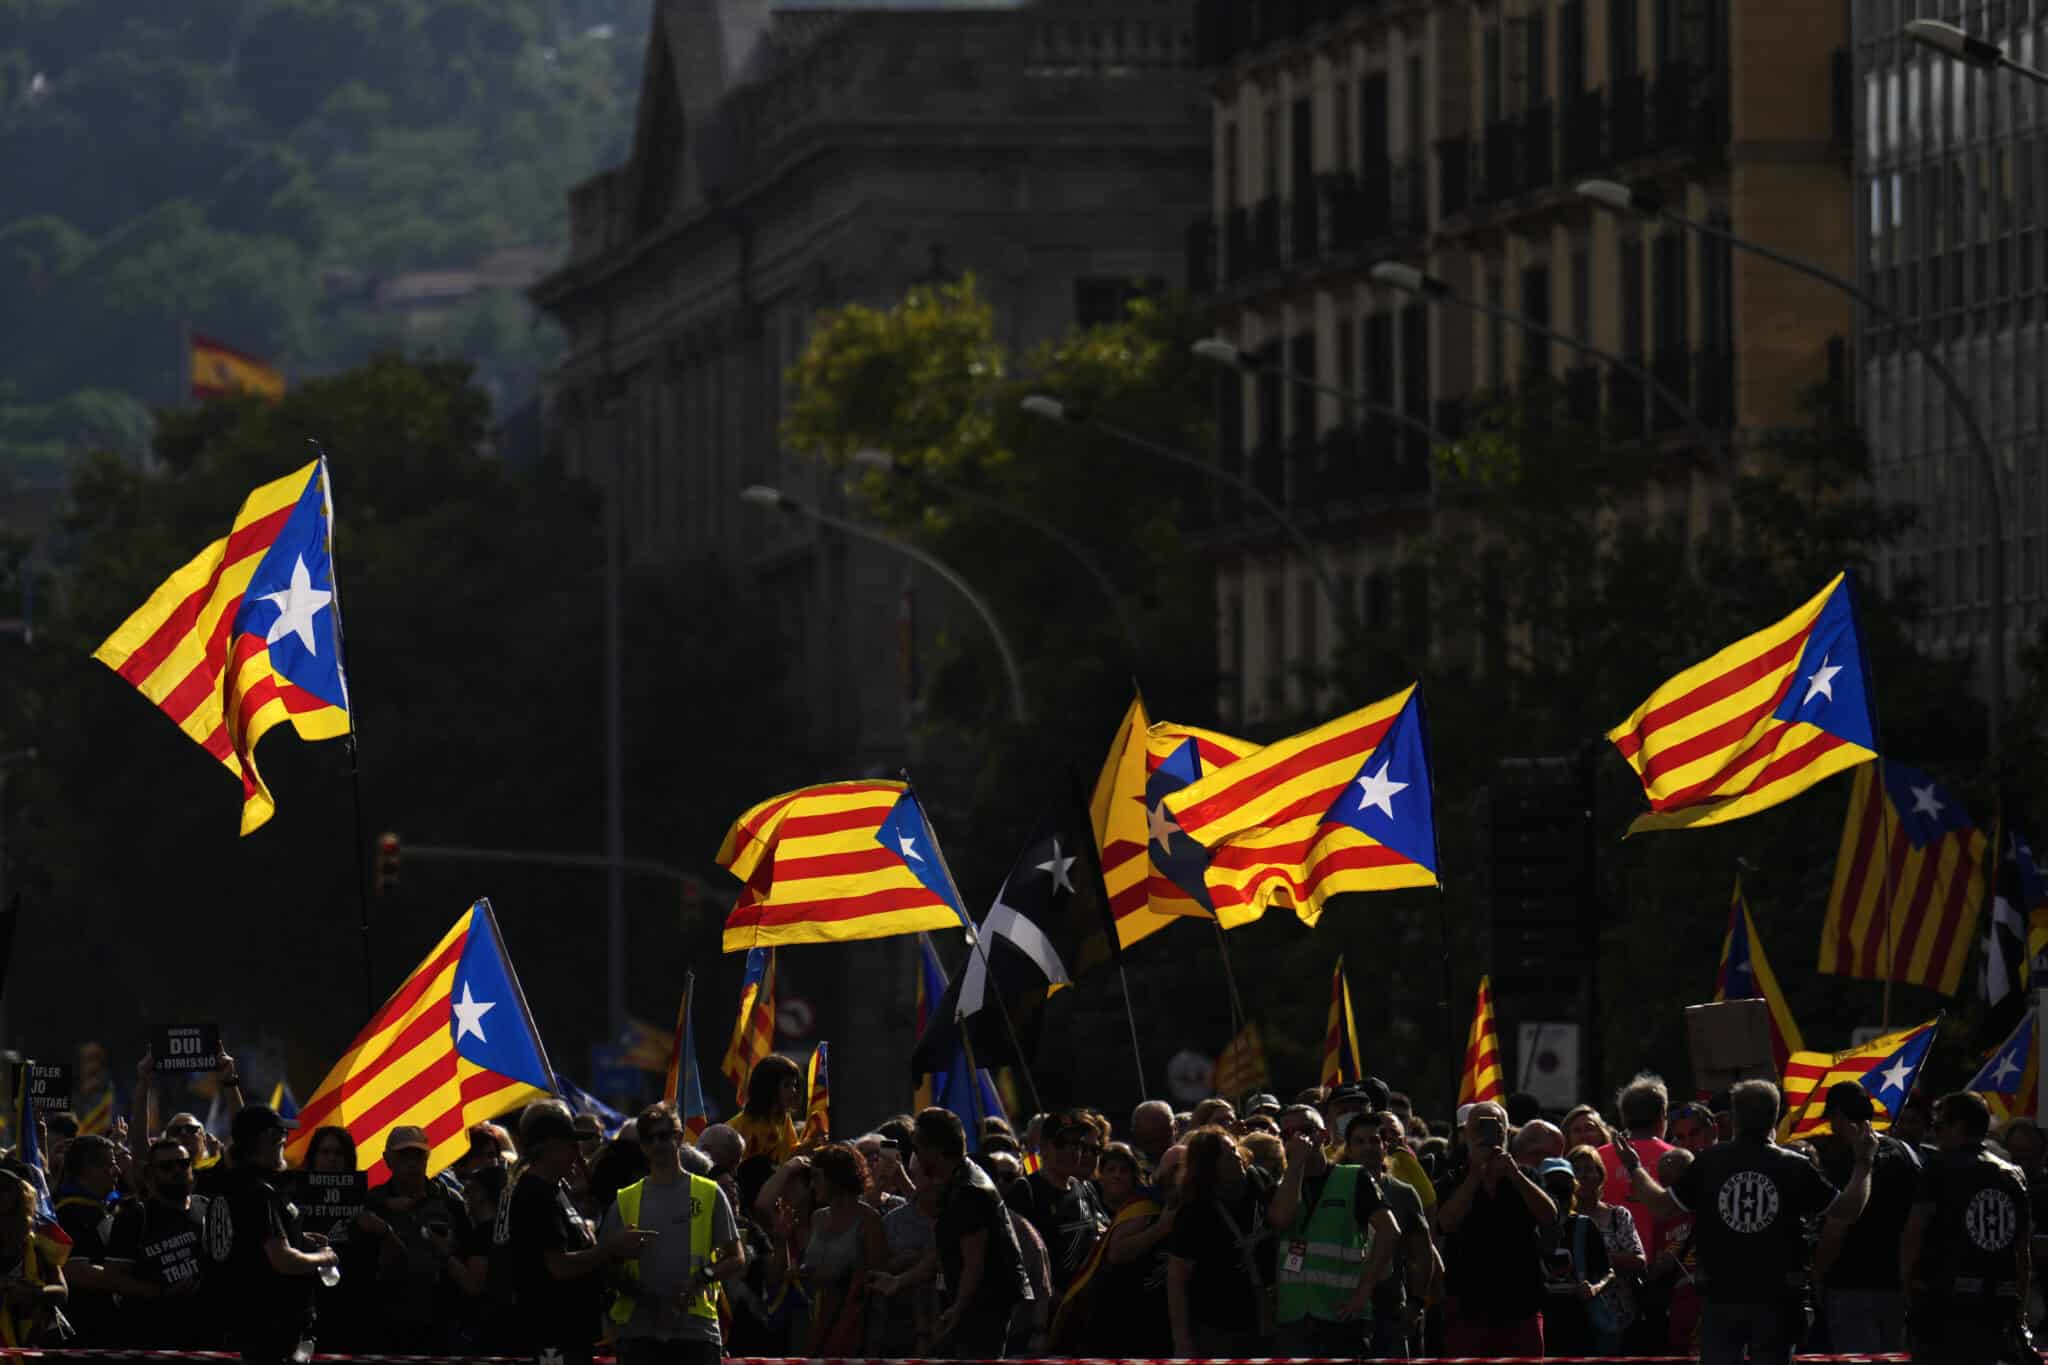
(666,1310)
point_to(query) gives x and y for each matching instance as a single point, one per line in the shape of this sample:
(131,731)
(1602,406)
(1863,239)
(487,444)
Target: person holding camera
(1493,1251)
(417,1225)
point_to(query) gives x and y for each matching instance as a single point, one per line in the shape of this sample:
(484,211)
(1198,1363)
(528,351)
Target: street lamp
(1622,199)
(881,462)
(1226,354)
(1052,409)
(760,495)
(1409,280)
(1951,41)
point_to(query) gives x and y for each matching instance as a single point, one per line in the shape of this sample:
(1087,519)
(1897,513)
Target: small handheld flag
(969,1091)
(453,1046)
(837,862)
(244,637)
(1340,1038)
(1757,723)
(2010,1079)
(1343,807)
(1480,1079)
(685,1087)
(1746,975)
(818,1108)
(753,1032)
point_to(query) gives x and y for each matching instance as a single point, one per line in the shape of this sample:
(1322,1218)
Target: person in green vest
(1337,1240)
(666,1309)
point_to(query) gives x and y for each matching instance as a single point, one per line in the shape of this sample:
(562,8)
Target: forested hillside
(262,171)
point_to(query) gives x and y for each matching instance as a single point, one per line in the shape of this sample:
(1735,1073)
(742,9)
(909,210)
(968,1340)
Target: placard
(46,1084)
(186,1049)
(329,1197)
(1731,1041)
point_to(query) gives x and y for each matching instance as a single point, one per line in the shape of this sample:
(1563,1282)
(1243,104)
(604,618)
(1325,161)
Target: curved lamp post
(1409,280)
(1951,41)
(763,496)
(1043,405)
(1622,199)
(881,462)
(1229,356)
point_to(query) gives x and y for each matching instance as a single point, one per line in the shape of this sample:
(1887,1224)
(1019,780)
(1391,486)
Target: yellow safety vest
(703,1200)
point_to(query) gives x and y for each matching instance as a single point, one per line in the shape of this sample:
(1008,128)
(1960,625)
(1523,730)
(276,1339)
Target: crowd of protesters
(1343,1224)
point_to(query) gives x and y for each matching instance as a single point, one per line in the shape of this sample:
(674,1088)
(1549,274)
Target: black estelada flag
(1049,922)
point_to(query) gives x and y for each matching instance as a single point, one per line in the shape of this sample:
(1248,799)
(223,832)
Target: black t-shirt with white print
(1750,1201)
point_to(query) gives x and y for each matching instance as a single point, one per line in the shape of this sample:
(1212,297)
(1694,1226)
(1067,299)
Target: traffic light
(387,862)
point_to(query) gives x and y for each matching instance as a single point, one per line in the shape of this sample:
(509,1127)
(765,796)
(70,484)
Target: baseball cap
(1850,1100)
(1261,1104)
(1375,1090)
(407,1137)
(1349,1093)
(255,1120)
(546,1125)
(587,1127)
(1555,1165)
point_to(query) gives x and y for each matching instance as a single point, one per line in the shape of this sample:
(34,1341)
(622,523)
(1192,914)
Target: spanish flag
(219,369)
(245,636)
(1756,724)
(1481,1078)
(831,863)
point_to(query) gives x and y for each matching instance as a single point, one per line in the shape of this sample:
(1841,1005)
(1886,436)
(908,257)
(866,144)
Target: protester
(32,1286)
(1116,1306)
(1216,1285)
(415,1225)
(85,1190)
(974,1247)
(553,1262)
(1577,1319)
(1583,1127)
(775,1093)
(908,1318)
(1966,1252)
(1612,1315)
(1864,1303)
(154,1254)
(268,1264)
(1492,1247)
(1398,1299)
(1060,1199)
(1643,1105)
(1338,1239)
(1692,1127)
(1751,1197)
(846,1245)
(1151,1133)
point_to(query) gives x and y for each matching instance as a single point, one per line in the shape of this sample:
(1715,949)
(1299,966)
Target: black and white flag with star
(1045,927)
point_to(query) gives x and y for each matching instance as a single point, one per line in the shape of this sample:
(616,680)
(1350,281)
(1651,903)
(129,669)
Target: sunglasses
(170,1167)
(658,1135)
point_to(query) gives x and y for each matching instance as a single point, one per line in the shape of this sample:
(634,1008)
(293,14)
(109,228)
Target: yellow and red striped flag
(244,637)
(453,1046)
(818,1107)
(684,1087)
(219,369)
(1342,1033)
(1343,807)
(2010,1078)
(1141,851)
(1885,1067)
(1746,975)
(753,1031)
(1910,834)
(1242,1067)
(1481,1077)
(836,862)
(1756,724)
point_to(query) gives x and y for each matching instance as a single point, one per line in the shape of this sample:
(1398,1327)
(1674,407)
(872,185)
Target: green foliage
(474,610)
(237,165)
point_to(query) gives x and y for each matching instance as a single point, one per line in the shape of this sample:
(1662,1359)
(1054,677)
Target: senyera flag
(453,1046)
(246,636)
(836,862)
(1756,724)
(1480,1078)
(1343,807)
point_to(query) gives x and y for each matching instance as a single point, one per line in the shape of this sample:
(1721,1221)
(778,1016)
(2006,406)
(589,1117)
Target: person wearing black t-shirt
(1061,1204)
(266,1263)
(1751,1199)
(84,1190)
(157,1252)
(1216,1297)
(1967,1253)
(1859,1274)
(980,1269)
(1493,1222)
(552,1260)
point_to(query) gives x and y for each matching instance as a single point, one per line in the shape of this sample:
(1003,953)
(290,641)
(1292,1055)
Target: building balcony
(1226,30)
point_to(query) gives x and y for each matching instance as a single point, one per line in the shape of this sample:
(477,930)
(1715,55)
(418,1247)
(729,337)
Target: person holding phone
(1493,1253)
(416,1224)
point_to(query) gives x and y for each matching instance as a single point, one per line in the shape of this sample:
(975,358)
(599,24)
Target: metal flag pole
(355,767)
(1112,941)
(1882,793)
(1130,1017)
(974,942)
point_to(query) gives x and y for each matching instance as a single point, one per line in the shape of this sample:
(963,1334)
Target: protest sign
(186,1048)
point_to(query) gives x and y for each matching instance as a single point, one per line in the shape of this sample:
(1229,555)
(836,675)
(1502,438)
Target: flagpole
(1884,803)
(1238,1042)
(355,767)
(974,942)
(1131,1017)
(1113,941)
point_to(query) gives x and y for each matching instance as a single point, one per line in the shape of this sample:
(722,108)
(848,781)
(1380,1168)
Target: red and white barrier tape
(37,1353)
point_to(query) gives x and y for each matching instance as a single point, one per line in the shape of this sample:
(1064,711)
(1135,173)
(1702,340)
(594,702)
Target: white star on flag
(1924,802)
(2006,1067)
(1058,867)
(296,606)
(469,1015)
(1822,682)
(1375,790)
(909,846)
(1895,1078)
(1161,825)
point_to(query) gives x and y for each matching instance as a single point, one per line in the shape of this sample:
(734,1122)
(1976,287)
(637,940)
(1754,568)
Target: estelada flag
(1756,724)
(685,1086)
(753,1029)
(219,369)
(836,862)
(1904,833)
(1343,807)
(1885,1067)
(1152,872)
(1340,1036)
(246,635)
(453,1046)
(1480,1080)
(1746,975)
(2010,1079)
